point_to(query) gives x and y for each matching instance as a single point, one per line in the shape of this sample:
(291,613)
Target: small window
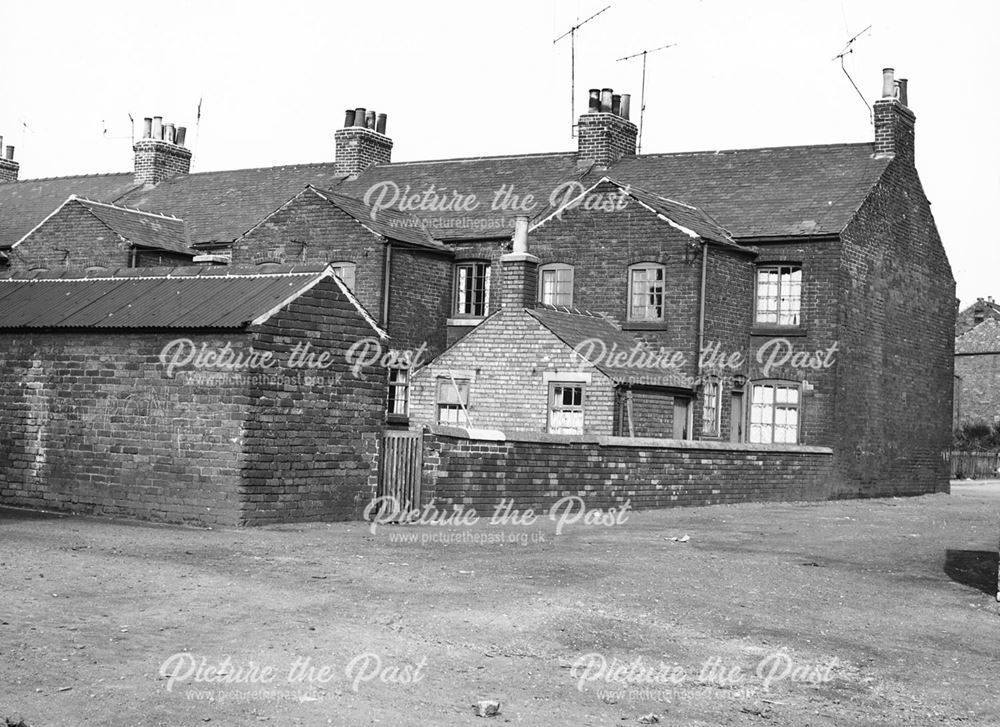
(453,401)
(472,289)
(565,408)
(645,292)
(774,413)
(399,391)
(555,284)
(779,295)
(711,412)
(345,271)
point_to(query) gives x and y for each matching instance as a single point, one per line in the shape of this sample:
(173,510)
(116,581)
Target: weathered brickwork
(71,238)
(605,138)
(977,388)
(357,148)
(419,299)
(156,160)
(9,170)
(92,424)
(310,445)
(514,395)
(535,474)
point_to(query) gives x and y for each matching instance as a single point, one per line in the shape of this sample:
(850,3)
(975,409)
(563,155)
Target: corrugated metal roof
(154,298)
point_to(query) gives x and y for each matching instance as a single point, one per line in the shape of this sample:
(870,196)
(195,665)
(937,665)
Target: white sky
(472,78)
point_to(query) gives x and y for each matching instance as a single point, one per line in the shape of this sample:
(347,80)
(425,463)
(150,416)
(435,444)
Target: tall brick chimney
(519,271)
(160,153)
(8,167)
(604,133)
(361,143)
(893,120)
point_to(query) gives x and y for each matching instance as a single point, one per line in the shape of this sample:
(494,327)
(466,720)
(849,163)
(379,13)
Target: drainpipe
(385,285)
(701,306)
(133,254)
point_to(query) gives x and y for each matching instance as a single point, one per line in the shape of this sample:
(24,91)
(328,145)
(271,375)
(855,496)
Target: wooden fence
(973,465)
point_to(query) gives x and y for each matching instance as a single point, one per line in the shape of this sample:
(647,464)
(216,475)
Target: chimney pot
(616,104)
(181,135)
(157,127)
(624,106)
(168,133)
(521,234)
(359,116)
(147,127)
(902,92)
(606,94)
(370,120)
(380,123)
(594,106)
(348,118)
(10,153)
(888,84)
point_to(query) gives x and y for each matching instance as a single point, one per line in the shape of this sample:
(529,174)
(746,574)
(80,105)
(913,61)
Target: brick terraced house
(790,311)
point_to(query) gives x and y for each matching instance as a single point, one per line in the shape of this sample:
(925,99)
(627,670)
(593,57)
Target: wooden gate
(400,473)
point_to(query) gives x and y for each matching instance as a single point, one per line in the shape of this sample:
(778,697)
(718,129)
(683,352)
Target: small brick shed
(173,395)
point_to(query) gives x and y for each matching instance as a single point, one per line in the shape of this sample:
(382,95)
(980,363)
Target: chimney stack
(160,153)
(605,133)
(894,121)
(519,271)
(8,167)
(361,142)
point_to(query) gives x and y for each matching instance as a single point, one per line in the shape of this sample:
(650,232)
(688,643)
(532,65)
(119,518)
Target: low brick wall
(536,470)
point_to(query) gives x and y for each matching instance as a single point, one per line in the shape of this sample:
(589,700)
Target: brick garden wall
(606,471)
(91,424)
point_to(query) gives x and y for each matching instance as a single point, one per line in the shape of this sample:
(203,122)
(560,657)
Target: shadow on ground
(976,568)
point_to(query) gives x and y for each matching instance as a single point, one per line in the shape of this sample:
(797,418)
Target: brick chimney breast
(8,167)
(361,143)
(894,121)
(161,153)
(604,133)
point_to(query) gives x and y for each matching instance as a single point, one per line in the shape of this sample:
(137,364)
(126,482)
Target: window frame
(797,405)
(779,267)
(346,265)
(551,408)
(456,304)
(716,430)
(393,386)
(556,268)
(630,292)
(462,407)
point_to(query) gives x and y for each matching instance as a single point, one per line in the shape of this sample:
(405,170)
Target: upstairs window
(453,402)
(774,413)
(779,295)
(565,408)
(345,271)
(399,391)
(472,289)
(555,284)
(645,292)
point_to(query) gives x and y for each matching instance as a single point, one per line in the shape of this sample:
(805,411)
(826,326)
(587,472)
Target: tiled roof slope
(26,203)
(221,206)
(388,223)
(152,298)
(784,191)
(142,228)
(575,328)
(984,338)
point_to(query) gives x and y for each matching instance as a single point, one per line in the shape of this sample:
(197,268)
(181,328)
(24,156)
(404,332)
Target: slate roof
(191,297)
(24,204)
(142,229)
(388,223)
(984,338)
(574,328)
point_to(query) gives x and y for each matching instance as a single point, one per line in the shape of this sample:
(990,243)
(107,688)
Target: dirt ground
(844,613)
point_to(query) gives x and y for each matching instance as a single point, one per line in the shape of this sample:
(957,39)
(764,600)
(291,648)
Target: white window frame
(465,304)
(778,301)
(633,294)
(769,412)
(398,391)
(711,416)
(560,292)
(452,397)
(556,409)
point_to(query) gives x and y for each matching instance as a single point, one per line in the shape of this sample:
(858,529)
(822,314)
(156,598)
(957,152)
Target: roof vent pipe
(157,127)
(520,234)
(888,84)
(359,116)
(624,105)
(147,128)
(370,120)
(380,123)
(181,135)
(606,94)
(594,106)
(348,118)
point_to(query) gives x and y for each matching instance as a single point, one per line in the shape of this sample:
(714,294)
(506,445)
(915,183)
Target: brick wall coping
(493,435)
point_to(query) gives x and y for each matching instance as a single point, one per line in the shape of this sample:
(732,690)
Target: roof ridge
(70,176)
(710,152)
(126,208)
(533,155)
(166,276)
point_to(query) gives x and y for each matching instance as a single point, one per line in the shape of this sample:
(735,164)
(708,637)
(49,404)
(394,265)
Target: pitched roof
(24,204)
(221,206)
(603,343)
(193,297)
(983,338)
(389,223)
(143,229)
(777,192)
